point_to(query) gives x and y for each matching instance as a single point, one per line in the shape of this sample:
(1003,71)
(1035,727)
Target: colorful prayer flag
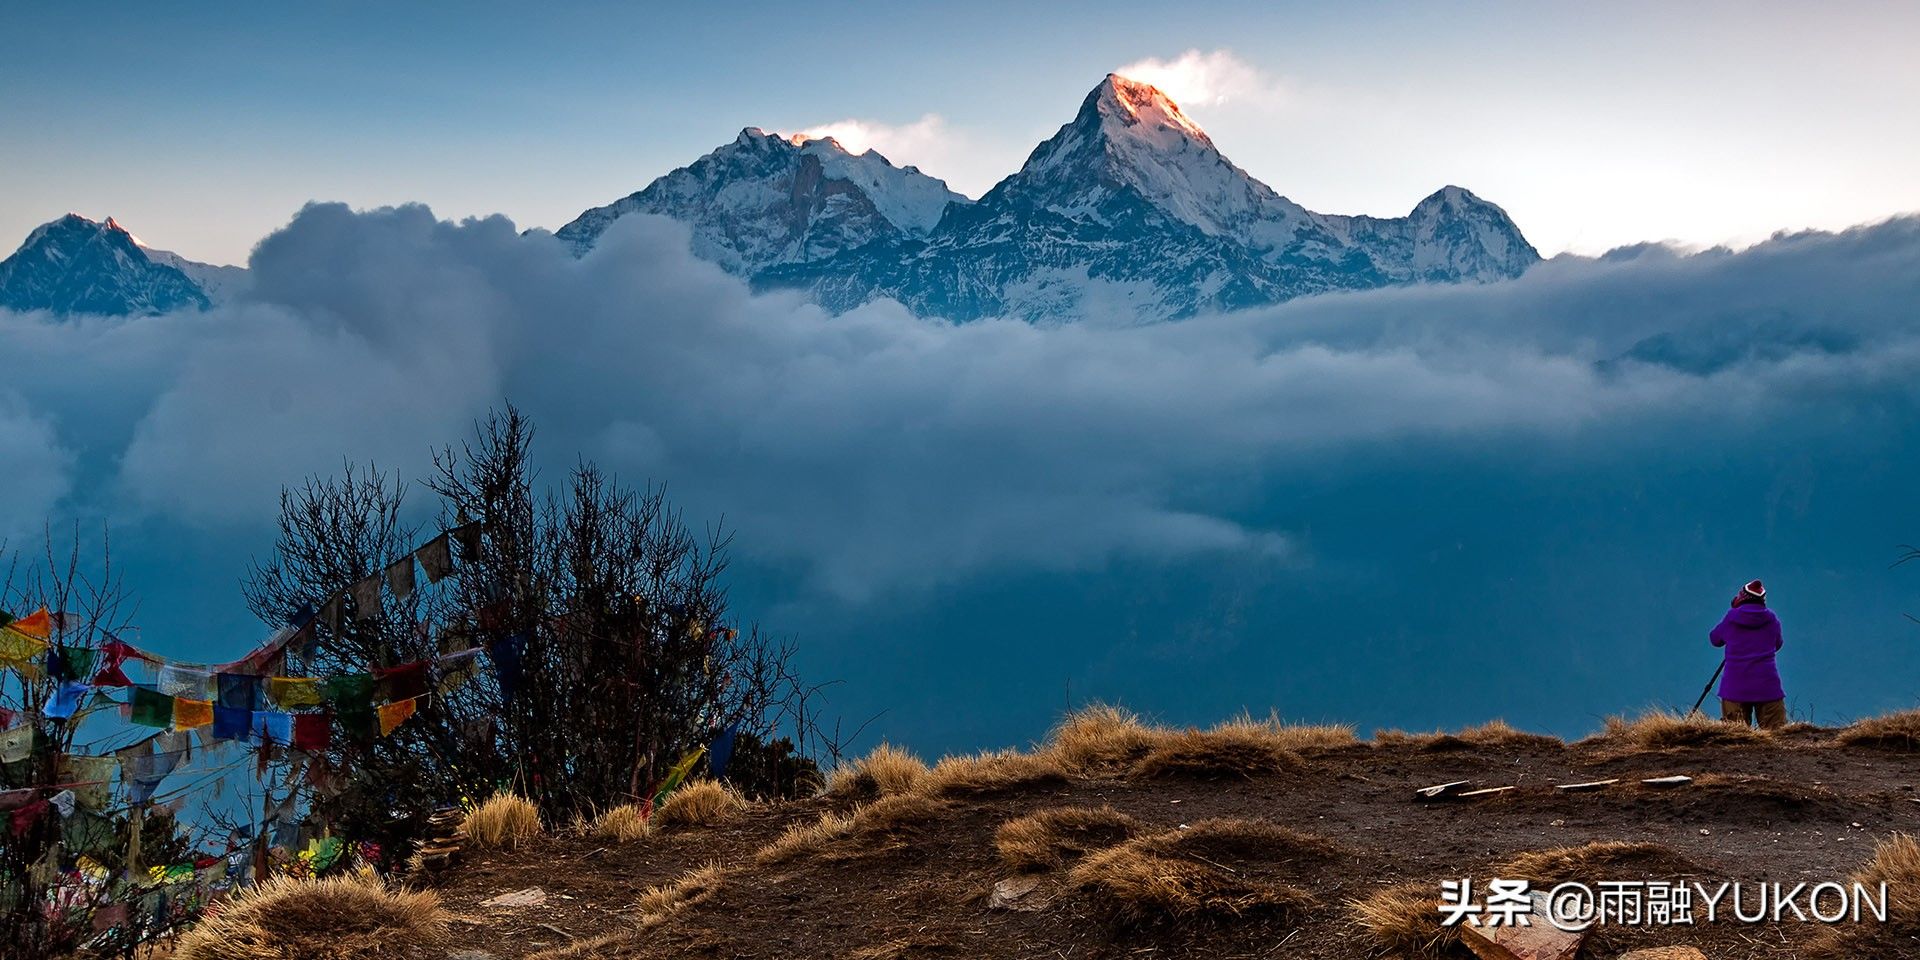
(18,649)
(151,708)
(38,624)
(436,558)
(273,727)
(403,682)
(66,699)
(180,681)
(400,578)
(366,598)
(71,661)
(189,714)
(294,693)
(392,715)
(239,690)
(312,732)
(232,723)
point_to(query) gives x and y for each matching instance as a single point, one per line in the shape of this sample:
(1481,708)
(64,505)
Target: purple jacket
(1751,634)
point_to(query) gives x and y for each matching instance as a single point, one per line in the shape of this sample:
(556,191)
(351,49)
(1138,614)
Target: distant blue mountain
(1128,210)
(76,265)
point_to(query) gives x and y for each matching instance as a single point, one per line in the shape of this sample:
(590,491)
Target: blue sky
(205,126)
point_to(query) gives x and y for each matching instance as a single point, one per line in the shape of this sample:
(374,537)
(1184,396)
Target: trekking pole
(1709,688)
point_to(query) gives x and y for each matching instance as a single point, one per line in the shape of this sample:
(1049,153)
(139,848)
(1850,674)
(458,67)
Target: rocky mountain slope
(74,265)
(1128,211)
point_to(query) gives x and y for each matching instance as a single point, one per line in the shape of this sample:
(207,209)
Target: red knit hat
(1755,589)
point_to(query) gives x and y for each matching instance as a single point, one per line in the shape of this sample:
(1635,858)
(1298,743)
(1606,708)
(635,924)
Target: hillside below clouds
(1128,210)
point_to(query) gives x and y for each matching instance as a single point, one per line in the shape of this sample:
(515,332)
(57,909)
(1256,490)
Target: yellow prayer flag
(18,649)
(188,714)
(392,715)
(293,693)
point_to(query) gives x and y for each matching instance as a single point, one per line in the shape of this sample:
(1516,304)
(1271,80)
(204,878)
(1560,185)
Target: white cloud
(1196,79)
(877,451)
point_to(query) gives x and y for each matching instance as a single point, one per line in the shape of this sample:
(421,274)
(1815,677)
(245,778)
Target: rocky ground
(915,875)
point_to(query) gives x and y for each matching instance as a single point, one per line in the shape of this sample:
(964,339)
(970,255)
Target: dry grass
(1293,737)
(1894,731)
(885,771)
(503,821)
(1210,871)
(1896,863)
(657,904)
(622,824)
(1100,740)
(1600,860)
(1666,730)
(1494,734)
(352,917)
(991,772)
(701,804)
(1046,839)
(868,829)
(1404,921)
(1225,751)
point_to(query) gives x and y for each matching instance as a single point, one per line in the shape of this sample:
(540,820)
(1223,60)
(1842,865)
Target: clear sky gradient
(202,127)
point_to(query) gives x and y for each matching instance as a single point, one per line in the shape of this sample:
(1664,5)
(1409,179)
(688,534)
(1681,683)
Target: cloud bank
(1329,492)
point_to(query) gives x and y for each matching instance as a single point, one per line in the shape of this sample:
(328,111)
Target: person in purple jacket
(1750,683)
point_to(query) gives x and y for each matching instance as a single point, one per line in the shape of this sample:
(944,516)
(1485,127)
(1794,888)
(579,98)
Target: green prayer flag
(77,661)
(349,690)
(151,708)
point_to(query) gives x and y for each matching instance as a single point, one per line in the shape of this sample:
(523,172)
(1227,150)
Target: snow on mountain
(1128,212)
(764,200)
(220,282)
(76,265)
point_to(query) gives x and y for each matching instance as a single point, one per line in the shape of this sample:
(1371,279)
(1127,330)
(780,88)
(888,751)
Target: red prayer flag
(312,732)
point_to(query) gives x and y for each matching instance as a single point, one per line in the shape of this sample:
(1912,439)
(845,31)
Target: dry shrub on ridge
(884,771)
(1404,920)
(703,803)
(1599,860)
(871,828)
(1100,739)
(1893,731)
(1045,839)
(622,824)
(1492,734)
(1228,751)
(1896,863)
(991,772)
(350,917)
(1666,730)
(1207,871)
(503,821)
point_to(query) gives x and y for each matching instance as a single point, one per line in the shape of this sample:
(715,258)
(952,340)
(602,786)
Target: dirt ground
(1797,810)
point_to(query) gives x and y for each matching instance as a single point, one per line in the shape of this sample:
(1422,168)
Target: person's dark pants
(1771,715)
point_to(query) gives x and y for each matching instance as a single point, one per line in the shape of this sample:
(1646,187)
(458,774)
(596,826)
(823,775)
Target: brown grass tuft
(622,824)
(1894,731)
(1216,869)
(1226,751)
(661,901)
(1666,730)
(703,804)
(1100,739)
(503,821)
(885,771)
(1896,863)
(1495,734)
(1404,921)
(1600,860)
(991,772)
(872,828)
(1045,839)
(350,917)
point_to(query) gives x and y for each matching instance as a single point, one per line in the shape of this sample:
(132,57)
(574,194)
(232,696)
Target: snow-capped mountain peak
(76,265)
(767,199)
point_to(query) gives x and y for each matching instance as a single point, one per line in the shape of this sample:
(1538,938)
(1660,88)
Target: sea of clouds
(1389,507)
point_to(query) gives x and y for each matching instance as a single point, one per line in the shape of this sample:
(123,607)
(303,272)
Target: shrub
(1100,739)
(1895,731)
(885,771)
(347,917)
(1044,839)
(703,803)
(503,821)
(1666,730)
(1229,751)
(622,824)
(1600,860)
(1404,921)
